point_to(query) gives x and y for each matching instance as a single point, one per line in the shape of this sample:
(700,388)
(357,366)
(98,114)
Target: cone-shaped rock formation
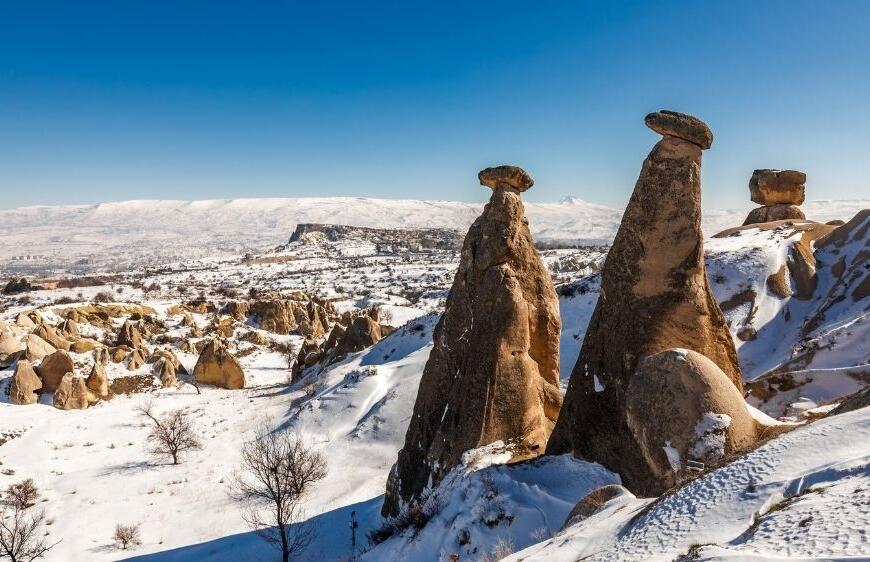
(654,296)
(493,372)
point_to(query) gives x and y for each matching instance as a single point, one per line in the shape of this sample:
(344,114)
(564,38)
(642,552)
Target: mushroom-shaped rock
(655,295)
(25,383)
(512,177)
(36,348)
(98,382)
(772,213)
(681,126)
(72,393)
(681,407)
(218,367)
(593,501)
(774,187)
(493,373)
(53,368)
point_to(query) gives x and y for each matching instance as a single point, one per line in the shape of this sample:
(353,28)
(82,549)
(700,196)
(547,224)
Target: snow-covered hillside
(134,233)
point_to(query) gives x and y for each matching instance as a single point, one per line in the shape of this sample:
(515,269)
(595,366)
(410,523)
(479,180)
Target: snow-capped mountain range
(130,233)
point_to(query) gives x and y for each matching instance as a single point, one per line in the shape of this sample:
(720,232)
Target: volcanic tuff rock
(98,382)
(52,336)
(53,368)
(679,125)
(9,347)
(25,383)
(218,367)
(130,335)
(655,295)
(773,187)
(72,393)
(493,372)
(772,213)
(681,407)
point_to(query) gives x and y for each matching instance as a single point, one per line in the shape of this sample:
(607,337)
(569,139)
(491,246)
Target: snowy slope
(123,234)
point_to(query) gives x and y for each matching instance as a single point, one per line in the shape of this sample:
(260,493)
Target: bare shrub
(414,516)
(103,296)
(502,548)
(172,434)
(278,470)
(127,536)
(22,529)
(23,494)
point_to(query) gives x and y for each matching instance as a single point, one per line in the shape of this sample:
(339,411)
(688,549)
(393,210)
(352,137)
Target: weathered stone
(363,332)
(655,295)
(166,370)
(506,176)
(53,368)
(36,348)
(772,213)
(98,382)
(136,359)
(52,336)
(218,367)
(772,187)
(493,373)
(592,502)
(10,347)
(69,328)
(130,335)
(72,393)
(24,321)
(84,345)
(25,383)
(101,356)
(681,407)
(681,126)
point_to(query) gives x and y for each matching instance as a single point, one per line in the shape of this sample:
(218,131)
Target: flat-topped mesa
(655,296)
(493,373)
(779,192)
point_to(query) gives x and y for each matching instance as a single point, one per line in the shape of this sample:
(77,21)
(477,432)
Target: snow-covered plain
(120,235)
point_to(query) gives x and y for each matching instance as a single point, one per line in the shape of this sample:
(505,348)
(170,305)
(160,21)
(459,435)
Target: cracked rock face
(493,371)
(655,295)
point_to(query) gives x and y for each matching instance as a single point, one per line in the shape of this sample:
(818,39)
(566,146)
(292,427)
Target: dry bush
(22,529)
(502,548)
(278,471)
(172,434)
(23,494)
(127,536)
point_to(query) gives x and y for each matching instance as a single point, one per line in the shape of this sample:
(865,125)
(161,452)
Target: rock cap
(680,125)
(510,176)
(771,187)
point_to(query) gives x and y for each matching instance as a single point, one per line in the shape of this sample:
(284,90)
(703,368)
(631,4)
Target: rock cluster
(494,369)
(779,192)
(655,296)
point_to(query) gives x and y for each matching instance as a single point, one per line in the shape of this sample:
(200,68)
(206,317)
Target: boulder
(274,315)
(218,367)
(52,336)
(72,393)
(52,369)
(772,187)
(592,502)
(84,345)
(683,410)
(129,335)
(25,383)
(10,347)
(166,370)
(98,382)
(772,213)
(655,295)
(363,332)
(493,373)
(309,353)
(118,354)
(69,328)
(36,348)
(136,359)
(24,321)
(679,125)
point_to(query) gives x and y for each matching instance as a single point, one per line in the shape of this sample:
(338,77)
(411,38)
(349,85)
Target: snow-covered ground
(802,495)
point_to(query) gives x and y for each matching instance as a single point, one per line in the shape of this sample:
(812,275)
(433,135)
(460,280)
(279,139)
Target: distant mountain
(133,233)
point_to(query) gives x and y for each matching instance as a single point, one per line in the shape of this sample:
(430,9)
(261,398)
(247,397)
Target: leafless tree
(126,536)
(278,471)
(22,534)
(172,434)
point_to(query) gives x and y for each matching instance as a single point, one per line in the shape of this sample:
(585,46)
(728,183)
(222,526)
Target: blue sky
(190,100)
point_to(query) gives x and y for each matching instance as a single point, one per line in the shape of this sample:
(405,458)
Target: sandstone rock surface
(679,125)
(53,368)
(774,187)
(493,373)
(72,393)
(655,295)
(218,367)
(772,213)
(25,383)
(97,382)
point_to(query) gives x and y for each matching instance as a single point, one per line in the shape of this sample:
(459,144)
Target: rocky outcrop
(36,348)
(218,367)
(25,383)
(52,336)
(494,370)
(10,347)
(129,335)
(779,192)
(166,370)
(53,368)
(97,382)
(136,359)
(72,393)
(655,295)
(684,414)
(364,331)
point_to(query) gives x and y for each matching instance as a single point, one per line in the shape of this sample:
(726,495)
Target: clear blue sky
(140,100)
